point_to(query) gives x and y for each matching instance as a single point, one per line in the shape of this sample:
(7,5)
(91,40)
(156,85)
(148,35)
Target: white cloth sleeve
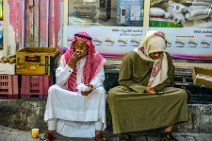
(63,72)
(98,79)
(52,124)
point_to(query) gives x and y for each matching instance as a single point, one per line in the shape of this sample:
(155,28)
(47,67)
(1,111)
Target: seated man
(76,103)
(145,99)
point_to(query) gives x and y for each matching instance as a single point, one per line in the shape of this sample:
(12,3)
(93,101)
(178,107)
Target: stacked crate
(35,86)
(8,79)
(8,86)
(37,66)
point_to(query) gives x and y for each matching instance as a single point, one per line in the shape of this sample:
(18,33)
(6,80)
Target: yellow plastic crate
(36,61)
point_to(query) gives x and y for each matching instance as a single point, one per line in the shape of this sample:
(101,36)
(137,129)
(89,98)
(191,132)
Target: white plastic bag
(155,11)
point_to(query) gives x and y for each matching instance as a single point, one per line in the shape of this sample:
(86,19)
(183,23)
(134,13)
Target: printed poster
(187,25)
(189,43)
(110,41)
(182,14)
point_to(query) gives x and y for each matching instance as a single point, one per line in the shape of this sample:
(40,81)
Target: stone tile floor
(9,134)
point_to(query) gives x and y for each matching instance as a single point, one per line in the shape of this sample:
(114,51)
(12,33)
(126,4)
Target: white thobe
(73,114)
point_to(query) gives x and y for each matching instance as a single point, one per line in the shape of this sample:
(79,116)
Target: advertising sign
(111,41)
(187,25)
(189,43)
(183,13)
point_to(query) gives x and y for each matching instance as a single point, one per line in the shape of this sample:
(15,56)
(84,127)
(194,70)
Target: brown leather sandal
(49,136)
(99,137)
(167,137)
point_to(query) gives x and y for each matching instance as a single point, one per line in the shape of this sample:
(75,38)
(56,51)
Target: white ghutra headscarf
(154,41)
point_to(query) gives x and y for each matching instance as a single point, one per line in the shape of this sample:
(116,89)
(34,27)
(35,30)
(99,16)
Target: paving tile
(181,138)
(190,138)
(153,138)
(141,138)
(203,137)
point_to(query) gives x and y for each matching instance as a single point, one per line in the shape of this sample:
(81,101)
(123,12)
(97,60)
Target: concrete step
(28,114)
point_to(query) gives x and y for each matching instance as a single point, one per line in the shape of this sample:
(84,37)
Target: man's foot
(49,136)
(166,136)
(125,137)
(99,137)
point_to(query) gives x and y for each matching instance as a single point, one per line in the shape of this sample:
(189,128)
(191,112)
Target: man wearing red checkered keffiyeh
(76,103)
(94,60)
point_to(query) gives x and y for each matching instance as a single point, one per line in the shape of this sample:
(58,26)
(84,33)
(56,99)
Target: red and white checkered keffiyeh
(94,61)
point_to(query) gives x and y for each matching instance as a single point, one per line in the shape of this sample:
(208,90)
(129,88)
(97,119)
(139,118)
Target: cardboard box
(36,61)
(7,68)
(202,76)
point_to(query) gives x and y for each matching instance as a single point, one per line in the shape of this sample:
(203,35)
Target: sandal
(100,137)
(167,137)
(49,136)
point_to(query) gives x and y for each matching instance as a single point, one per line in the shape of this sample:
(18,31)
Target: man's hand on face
(81,50)
(78,54)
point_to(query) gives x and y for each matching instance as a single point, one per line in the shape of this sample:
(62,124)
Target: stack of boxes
(30,76)
(8,86)
(37,66)
(8,79)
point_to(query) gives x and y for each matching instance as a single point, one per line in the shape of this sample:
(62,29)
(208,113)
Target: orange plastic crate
(8,86)
(35,86)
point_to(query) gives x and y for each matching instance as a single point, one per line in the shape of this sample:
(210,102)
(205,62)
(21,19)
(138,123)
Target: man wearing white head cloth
(145,98)
(76,103)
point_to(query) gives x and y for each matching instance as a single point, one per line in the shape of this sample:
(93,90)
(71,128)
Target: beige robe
(133,110)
